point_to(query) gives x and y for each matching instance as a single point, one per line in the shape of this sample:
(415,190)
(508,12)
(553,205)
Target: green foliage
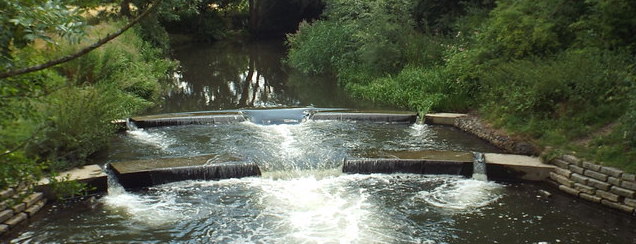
(559,72)
(54,119)
(65,188)
(23,22)
(417,88)
(519,29)
(205,20)
(368,34)
(320,47)
(608,24)
(17,169)
(79,123)
(112,82)
(629,120)
(561,87)
(128,63)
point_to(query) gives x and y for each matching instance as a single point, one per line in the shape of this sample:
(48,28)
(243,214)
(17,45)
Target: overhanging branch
(83,51)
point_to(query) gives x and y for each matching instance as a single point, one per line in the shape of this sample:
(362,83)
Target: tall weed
(580,88)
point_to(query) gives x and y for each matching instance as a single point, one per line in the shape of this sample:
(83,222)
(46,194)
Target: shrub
(319,47)
(64,117)
(17,169)
(417,88)
(580,88)
(520,29)
(79,122)
(370,35)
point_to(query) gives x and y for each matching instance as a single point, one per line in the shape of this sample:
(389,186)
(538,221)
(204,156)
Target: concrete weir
(142,122)
(394,118)
(267,116)
(505,167)
(415,166)
(144,173)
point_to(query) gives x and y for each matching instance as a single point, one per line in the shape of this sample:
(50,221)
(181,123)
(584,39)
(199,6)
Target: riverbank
(589,181)
(566,82)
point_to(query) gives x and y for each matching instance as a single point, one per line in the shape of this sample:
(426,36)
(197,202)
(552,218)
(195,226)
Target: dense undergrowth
(559,73)
(56,118)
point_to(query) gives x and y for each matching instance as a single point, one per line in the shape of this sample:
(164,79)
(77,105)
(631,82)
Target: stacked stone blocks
(16,208)
(592,182)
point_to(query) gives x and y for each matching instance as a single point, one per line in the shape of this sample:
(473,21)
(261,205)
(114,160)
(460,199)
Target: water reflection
(230,76)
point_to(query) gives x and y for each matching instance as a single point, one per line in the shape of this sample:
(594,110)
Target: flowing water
(302,196)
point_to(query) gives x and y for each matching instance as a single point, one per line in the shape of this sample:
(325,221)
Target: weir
(187,120)
(277,116)
(268,117)
(414,166)
(144,173)
(378,117)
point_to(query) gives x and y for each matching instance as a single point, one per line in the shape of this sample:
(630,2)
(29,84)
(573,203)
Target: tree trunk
(125,9)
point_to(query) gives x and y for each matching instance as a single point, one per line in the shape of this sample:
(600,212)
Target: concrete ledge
(442,118)
(396,118)
(504,167)
(92,175)
(145,173)
(188,120)
(517,167)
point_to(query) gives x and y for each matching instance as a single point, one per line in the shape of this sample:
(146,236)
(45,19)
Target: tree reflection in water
(232,75)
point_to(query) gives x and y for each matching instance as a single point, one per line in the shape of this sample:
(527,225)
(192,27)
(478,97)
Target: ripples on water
(303,197)
(346,208)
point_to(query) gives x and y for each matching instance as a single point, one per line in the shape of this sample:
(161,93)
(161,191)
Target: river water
(302,196)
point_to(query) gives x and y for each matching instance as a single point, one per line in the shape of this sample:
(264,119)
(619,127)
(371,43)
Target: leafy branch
(83,51)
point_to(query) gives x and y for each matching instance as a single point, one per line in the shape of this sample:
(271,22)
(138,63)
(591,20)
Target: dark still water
(232,76)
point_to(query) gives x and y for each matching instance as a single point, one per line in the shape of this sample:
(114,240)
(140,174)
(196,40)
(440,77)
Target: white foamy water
(156,139)
(305,209)
(462,194)
(144,209)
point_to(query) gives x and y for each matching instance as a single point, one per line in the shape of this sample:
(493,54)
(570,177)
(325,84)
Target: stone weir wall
(15,208)
(600,184)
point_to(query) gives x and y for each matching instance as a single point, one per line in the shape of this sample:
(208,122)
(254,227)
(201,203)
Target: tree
(79,53)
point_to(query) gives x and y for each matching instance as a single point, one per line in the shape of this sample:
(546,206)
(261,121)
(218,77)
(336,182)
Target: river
(302,196)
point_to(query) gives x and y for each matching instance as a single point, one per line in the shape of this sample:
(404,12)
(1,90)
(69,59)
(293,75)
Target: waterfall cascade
(479,167)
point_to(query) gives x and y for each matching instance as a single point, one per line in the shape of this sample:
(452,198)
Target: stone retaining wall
(473,125)
(16,208)
(592,182)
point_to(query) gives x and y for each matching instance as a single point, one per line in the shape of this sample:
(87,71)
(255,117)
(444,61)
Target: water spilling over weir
(302,195)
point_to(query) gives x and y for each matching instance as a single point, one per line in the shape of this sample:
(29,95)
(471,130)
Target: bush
(629,121)
(520,29)
(60,118)
(580,88)
(79,123)
(418,88)
(17,169)
(370,35)
(111,82)
(319,47)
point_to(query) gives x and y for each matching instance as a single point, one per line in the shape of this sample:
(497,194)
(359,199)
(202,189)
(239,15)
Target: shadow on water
(231,76)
